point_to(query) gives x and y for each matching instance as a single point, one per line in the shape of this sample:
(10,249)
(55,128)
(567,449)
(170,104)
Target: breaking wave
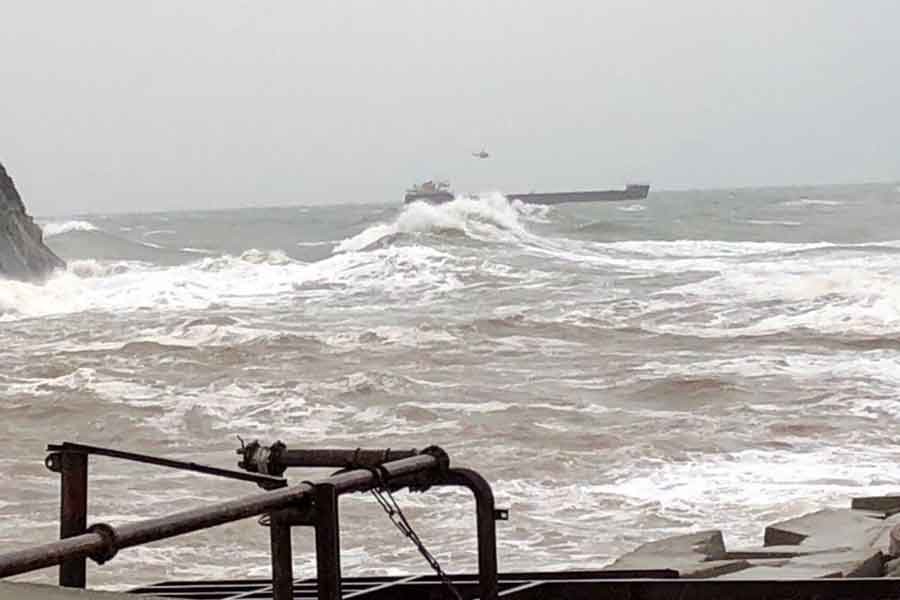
(490,218)
(54,229)
(255,278)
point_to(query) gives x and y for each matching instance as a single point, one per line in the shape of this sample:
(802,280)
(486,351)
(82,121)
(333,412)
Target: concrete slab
(686,566)
(702,545)
(892,568)
(785,572)
(888,542)
(856,563)
(888,505)
(692,555)
(779,552)
(829,527)
(36,591)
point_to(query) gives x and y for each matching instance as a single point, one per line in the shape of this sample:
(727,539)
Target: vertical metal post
(73,513)
(328,544)
(282,557)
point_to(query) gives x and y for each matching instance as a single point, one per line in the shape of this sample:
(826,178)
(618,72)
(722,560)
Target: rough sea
(620,372)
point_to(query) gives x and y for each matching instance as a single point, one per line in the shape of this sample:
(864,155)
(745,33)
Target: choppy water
(620,372)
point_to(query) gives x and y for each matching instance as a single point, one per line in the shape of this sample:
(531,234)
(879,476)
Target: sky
(111,106)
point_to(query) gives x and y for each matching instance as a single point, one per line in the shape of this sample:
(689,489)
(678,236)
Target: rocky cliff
(23,254)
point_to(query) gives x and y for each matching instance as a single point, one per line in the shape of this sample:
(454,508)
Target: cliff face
(23,254)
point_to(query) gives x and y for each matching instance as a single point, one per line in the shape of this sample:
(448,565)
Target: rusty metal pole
(328,543)
(282,557)
(102,541)
(73,513)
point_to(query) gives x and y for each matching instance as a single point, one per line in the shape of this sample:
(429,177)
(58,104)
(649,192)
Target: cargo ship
(439,192)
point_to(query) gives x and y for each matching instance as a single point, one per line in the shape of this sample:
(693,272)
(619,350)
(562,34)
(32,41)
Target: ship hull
(631,192)
(430,197)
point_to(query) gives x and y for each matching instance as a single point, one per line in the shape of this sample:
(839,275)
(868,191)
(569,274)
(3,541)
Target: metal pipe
(282,557)
(275,459)
(73,468)
(328,543)
(104,541)
(486,517)
(485,522)
(341,458)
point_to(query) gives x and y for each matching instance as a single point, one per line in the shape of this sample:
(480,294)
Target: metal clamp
(259,459)
(110,542)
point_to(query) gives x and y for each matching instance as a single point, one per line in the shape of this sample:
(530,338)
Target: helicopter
(482,154)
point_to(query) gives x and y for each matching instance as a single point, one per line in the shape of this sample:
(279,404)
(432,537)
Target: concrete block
(854,563)
(695,555)
(687,566)
(703,545)
(784,572)
(888,541)
(892,568)
(829,527)
(779,552)
(888,505)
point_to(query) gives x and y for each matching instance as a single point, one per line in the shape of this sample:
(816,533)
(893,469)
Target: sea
(619,372)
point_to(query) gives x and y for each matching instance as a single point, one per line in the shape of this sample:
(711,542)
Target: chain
(383,494)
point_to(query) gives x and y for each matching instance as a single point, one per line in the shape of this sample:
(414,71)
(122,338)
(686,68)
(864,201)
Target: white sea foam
(54,229)
(322,243)
(256,278)
(777,223)
(812,202)
(736,487)
(489,218)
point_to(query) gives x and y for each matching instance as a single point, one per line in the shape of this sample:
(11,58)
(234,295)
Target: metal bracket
(54,462)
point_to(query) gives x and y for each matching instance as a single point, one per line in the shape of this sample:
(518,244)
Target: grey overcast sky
(157,105)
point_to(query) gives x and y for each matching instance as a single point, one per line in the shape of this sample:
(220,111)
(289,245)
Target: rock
(23,255)
(694,555)
(827,528)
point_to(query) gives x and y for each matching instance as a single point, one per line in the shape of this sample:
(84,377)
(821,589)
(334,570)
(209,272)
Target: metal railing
(312,503)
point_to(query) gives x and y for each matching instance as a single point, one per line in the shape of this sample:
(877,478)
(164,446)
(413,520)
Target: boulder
(23,255)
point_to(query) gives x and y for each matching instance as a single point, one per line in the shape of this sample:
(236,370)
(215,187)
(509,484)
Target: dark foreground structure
(314,504)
